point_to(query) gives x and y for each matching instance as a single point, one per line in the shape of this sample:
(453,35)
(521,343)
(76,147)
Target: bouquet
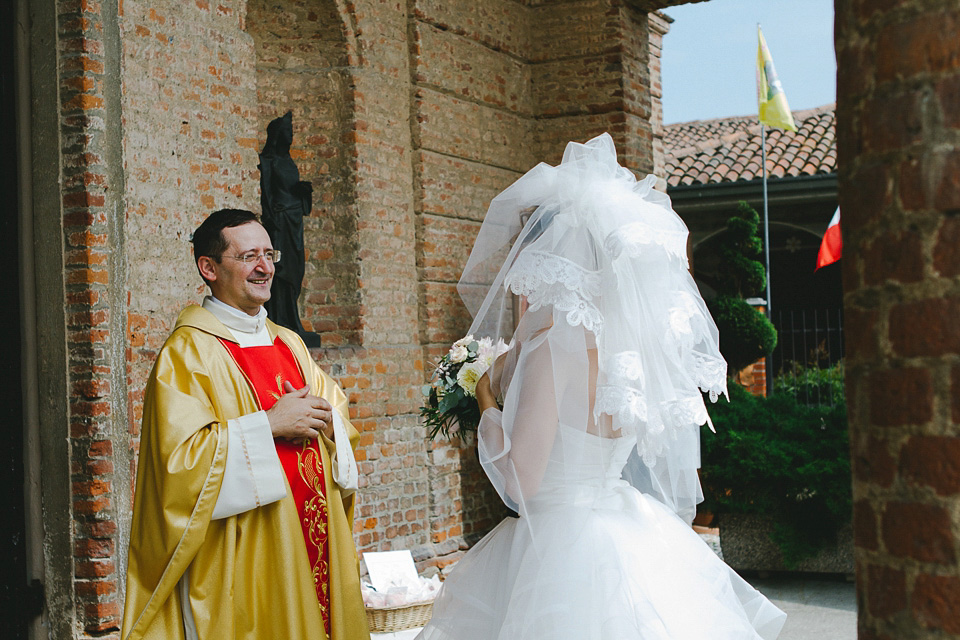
(451,405)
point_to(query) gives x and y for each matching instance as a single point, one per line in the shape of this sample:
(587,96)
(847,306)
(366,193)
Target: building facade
(129,120)
(135,119)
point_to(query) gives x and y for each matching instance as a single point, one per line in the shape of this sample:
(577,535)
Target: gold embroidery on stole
(315,516)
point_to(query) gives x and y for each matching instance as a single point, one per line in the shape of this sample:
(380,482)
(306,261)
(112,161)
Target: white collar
(235,319)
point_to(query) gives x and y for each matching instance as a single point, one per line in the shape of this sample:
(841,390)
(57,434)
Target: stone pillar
(898,115)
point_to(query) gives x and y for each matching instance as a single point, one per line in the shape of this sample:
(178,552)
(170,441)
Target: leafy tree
(746,335)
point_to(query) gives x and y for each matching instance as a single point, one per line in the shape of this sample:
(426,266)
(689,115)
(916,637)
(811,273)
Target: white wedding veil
(583,269)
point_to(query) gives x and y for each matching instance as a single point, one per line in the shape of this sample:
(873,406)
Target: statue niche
(285,200)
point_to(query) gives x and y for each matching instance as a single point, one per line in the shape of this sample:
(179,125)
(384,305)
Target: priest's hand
(298,415)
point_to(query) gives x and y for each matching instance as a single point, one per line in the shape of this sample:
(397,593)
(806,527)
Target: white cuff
(492,418)
(345,471)
(253,475)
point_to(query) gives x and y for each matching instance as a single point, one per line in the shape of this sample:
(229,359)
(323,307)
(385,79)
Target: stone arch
(794,246)
(305,59)
(807,303)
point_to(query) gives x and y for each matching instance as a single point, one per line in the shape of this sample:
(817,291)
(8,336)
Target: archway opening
(807,304)
(302,66)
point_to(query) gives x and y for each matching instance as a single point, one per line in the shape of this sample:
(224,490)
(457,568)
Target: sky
(710,53)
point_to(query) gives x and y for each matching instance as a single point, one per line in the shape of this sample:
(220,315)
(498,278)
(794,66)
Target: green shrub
(746,335)
(783,458)
(812,385)
(741,274)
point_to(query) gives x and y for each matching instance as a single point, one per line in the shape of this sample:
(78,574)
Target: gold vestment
(249,577)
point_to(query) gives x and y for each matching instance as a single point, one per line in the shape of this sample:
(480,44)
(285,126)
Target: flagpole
(763,161)
(766,247)
(772,108)
(766,213)
(768,365)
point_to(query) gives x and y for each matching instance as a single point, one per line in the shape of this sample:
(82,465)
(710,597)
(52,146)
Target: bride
(584,271)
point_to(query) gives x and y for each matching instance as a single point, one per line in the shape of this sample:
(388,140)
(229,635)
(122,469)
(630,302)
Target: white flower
(469,375)
(486,353)
(464,341)
(459,351)
(489,352)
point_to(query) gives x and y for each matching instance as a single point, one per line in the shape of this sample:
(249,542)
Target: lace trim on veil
(709,373)
(686,327)
(547,279)
(629,408)
(624,395)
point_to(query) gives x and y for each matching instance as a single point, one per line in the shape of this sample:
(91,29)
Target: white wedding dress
(582,270)
(610,563)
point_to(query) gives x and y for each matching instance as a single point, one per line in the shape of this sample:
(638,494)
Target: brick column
(92,223)
(898,115)
(659,26)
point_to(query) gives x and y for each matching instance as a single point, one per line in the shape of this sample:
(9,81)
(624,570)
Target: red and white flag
(831,247)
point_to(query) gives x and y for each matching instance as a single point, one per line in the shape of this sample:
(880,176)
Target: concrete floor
(817,607)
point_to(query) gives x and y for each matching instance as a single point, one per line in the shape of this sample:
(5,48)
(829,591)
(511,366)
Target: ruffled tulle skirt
(621,567)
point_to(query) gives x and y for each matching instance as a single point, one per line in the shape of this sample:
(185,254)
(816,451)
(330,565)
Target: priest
(243,511)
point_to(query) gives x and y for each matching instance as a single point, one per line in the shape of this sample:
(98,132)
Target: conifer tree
(746,334)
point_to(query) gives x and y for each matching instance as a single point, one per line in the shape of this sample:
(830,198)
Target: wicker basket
(391,619)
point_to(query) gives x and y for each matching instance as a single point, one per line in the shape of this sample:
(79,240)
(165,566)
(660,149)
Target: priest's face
(244,285)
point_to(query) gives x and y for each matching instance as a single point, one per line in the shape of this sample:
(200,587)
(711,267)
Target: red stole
(266,369)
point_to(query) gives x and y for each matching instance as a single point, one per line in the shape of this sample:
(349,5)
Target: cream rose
(469,375)
(458,353)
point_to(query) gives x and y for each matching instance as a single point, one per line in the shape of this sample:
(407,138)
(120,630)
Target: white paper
(391,569)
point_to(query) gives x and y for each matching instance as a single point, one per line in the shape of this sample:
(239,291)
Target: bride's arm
(516,445)
(485,397)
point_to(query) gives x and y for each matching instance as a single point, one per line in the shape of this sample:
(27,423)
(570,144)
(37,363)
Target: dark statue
(285,200)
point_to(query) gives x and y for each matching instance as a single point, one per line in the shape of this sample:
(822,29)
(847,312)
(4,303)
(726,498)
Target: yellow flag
(773,107)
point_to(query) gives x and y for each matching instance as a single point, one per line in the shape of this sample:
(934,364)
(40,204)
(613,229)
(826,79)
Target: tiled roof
(728,149)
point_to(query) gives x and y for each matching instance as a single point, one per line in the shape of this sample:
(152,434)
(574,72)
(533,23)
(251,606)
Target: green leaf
(447,402)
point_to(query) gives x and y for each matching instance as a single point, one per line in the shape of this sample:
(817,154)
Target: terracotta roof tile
(728,149)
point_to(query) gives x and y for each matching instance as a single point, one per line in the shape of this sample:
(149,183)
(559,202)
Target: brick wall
(898,125)
(189,148)
(595,68)
(189,105)
(392,512)
(659,25)
(472,106)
